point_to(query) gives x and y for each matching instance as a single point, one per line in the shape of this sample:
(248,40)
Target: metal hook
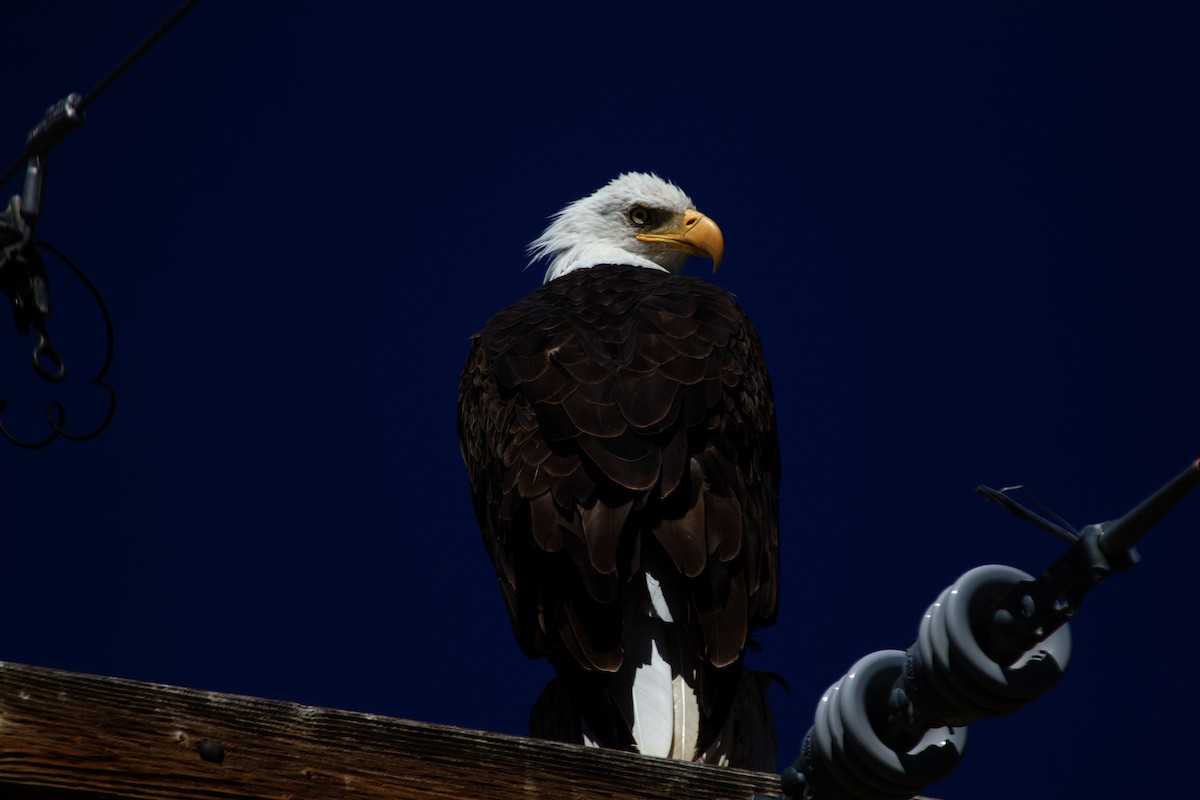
(45,353)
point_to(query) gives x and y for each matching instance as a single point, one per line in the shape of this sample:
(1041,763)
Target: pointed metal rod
(1121,535)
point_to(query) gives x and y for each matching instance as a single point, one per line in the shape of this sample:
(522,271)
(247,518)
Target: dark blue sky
(967,237)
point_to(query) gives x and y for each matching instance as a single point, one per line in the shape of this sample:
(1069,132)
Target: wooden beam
(67,736)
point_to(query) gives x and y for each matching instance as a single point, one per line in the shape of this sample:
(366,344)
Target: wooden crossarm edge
(69,736)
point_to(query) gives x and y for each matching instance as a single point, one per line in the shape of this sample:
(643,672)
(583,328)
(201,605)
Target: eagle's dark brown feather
(615,417)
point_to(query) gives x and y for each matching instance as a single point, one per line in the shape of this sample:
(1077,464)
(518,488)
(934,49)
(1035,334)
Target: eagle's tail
(654,698)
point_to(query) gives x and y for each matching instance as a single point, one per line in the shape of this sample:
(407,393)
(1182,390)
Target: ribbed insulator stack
(896,722)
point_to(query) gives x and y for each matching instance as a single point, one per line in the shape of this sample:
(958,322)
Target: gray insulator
(897,721)
(951,668)
(846,754)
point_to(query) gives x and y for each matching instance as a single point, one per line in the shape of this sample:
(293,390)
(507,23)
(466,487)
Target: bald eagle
(619,434)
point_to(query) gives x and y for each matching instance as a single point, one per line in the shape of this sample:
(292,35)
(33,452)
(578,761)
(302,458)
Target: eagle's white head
(637,219)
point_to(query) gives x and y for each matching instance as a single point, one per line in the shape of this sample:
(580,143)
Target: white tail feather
(658,601)
(653,706)
(660,672)
(687,719)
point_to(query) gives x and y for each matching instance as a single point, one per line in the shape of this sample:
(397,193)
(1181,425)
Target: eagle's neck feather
(588,256)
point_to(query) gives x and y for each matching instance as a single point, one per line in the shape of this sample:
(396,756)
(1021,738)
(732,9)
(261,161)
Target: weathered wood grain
(67,736)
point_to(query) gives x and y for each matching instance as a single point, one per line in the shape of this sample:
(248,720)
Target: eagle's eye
(639,215)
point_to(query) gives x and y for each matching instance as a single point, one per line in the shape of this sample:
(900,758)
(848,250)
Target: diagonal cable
(111,77)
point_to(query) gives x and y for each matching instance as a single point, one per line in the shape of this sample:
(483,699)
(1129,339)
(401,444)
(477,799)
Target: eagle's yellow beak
(693,233)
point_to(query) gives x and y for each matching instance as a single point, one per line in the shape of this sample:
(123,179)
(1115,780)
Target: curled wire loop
(50,366)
